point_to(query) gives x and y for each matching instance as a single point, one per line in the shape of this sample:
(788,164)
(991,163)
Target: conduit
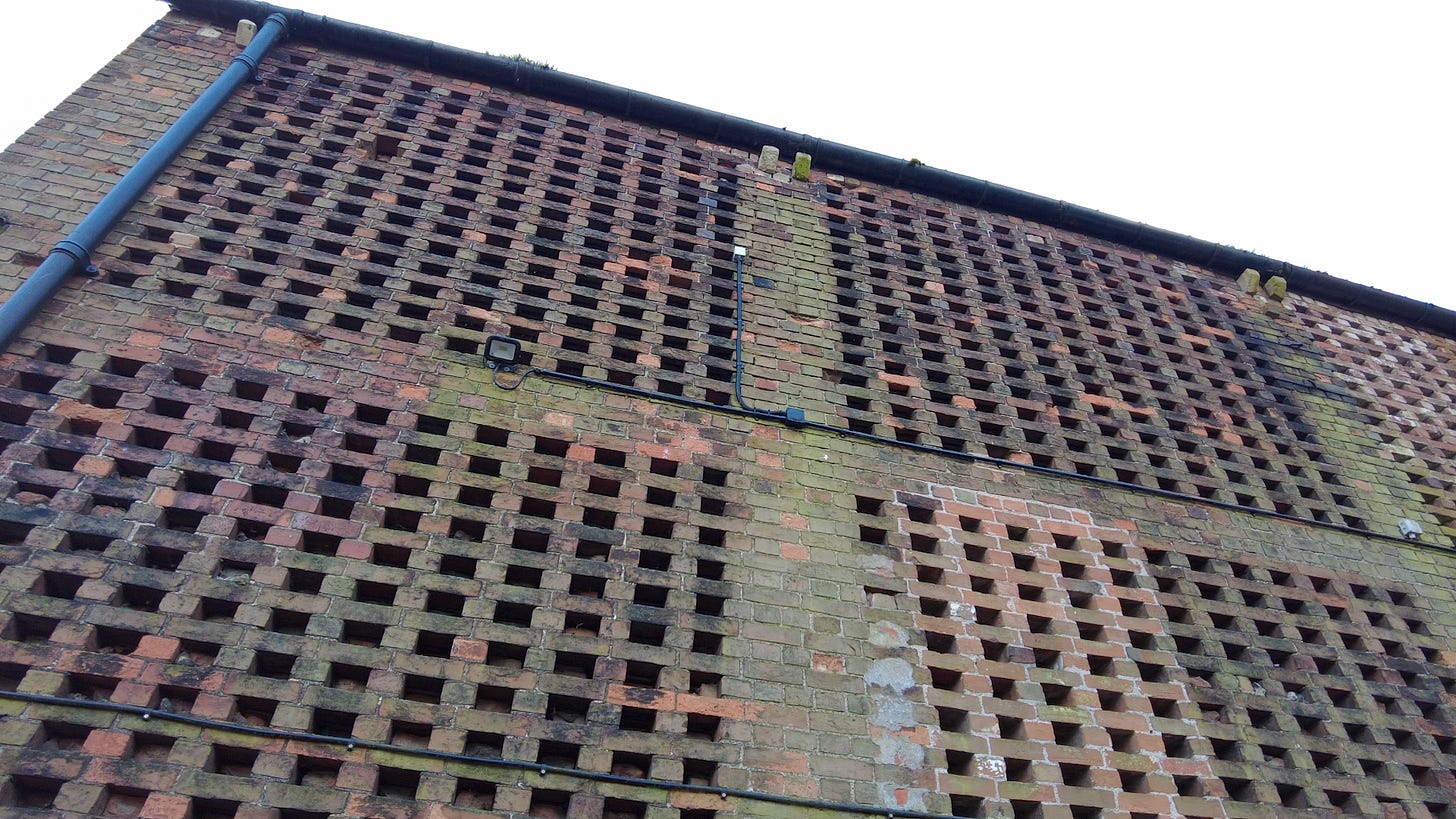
(739,253)
(73,253)
(783,418)
(795,418)
(495,762)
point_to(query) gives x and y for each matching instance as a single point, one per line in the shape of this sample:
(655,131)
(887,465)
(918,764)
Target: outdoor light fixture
(502,353)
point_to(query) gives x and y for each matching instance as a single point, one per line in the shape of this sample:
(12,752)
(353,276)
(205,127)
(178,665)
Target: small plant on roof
(524,60)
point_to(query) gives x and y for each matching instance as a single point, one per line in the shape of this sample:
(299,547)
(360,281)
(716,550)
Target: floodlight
(502,353)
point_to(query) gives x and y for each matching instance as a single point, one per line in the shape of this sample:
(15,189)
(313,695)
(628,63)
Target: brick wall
(275,544)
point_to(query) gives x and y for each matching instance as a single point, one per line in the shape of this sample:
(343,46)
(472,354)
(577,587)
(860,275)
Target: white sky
(1320,133)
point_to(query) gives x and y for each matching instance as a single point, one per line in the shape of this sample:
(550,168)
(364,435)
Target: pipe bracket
(75,250)
(249,61)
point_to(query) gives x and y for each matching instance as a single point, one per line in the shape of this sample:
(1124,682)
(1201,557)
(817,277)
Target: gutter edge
(748,135)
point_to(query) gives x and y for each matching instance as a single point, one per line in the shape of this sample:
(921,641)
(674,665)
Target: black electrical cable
(738,342)
(765,415)
(799,421)
(495,378)
(515,764)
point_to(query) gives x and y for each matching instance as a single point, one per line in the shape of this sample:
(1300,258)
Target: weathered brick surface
(255,473)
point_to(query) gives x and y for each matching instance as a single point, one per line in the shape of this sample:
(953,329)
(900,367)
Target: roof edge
(837,157)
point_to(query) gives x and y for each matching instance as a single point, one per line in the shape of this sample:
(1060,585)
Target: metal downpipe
(73,253)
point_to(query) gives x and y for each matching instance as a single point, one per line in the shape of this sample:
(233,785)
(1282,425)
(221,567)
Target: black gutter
(832,156)
(73,253)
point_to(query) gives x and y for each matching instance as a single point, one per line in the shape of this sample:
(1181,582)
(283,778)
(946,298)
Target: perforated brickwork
(350,203)
(1064,661)
(977,333)
(1316,690)
(495,581)
(1402,384)
(254,474)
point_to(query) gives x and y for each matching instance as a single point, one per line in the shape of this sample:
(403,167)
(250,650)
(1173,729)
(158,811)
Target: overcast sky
(1315,132)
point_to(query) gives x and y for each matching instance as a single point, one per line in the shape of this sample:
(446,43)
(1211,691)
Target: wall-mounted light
(502,353)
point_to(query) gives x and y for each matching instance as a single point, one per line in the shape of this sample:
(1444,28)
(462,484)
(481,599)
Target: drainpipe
(73,253)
